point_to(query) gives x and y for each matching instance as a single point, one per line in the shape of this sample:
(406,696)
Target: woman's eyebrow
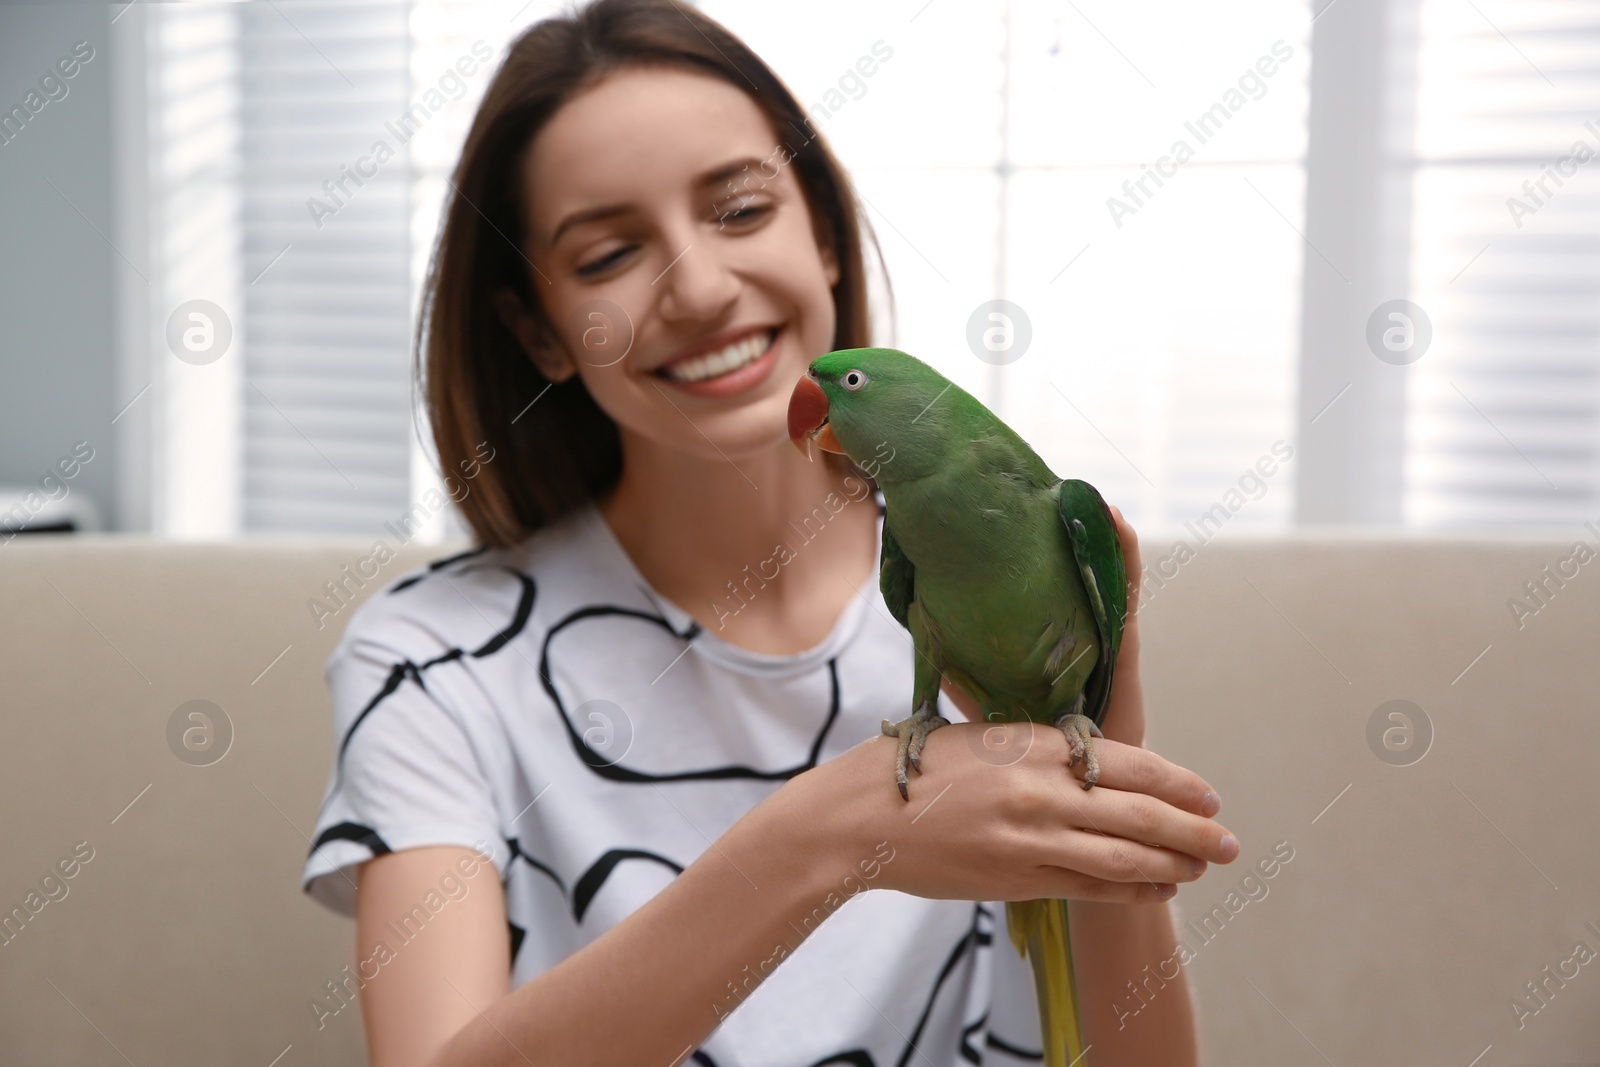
(592,214)
(727,170)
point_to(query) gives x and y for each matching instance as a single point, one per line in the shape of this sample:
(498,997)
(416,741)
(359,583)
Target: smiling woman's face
(664,193)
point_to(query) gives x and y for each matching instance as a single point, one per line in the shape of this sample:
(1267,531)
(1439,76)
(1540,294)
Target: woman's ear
(545,352)
(830,262)
(825,249)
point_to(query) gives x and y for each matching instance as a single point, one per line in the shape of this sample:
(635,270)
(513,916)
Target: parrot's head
(876,405)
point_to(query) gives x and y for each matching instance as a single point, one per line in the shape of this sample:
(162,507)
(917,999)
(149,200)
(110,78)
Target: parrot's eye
(853,380)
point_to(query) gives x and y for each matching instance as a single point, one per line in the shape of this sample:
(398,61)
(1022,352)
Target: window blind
(1140,196)
(326,265)
(1503,410)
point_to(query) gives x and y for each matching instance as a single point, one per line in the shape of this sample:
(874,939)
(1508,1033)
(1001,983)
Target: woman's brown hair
(479,385)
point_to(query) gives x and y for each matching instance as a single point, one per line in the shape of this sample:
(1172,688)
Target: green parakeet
(1010,579)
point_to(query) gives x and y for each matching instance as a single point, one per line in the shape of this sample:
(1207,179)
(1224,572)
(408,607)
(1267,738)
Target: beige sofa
(1415,904)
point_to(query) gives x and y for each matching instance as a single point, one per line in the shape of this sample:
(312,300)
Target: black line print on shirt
(353,831)
(584,891)
(516,850)
(517,932)
(588,885)
(436,565)
(969,1051)
(398,674)
(614,770)
(975,939)
(984,939)
(1001,1045)
(406,669)
(517,936)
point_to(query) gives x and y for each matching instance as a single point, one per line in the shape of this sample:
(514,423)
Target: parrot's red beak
(808,418)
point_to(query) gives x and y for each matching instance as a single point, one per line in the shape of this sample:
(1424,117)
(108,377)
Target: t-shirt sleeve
(405,774)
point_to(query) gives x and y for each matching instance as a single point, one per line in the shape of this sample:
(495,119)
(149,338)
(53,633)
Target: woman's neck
(806,531)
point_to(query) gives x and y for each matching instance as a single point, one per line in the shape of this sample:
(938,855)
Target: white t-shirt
(545,705)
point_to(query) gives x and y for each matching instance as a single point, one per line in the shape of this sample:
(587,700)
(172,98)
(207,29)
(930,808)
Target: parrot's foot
(1079,729)
(912,732)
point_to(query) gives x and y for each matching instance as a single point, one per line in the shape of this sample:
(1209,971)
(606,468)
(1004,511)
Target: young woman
(611,788)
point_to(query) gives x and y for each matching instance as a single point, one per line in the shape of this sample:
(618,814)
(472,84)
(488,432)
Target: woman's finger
(1116,859)
(1059,883)
(1138,770)
(1141,797)
(1135,817)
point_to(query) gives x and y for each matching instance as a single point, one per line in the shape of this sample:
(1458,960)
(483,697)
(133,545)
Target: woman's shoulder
(470,598)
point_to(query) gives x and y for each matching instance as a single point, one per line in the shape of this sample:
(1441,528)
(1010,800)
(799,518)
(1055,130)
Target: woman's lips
(734,382)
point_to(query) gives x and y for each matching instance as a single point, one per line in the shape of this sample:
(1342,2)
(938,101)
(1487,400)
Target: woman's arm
(1112,945)
(457,961)
(1115,944)
(647,991)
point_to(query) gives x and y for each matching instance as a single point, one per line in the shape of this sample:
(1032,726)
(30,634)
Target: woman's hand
(1025,830)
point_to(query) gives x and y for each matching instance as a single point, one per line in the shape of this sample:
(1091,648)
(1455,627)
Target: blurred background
(1320,281)
(1364,233)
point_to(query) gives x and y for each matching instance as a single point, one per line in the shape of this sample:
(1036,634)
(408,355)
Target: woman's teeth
(723,361)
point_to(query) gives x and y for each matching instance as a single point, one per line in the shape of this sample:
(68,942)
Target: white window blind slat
(327,426)
(1504,408)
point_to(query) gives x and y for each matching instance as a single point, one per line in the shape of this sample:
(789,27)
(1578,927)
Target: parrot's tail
(1039,932)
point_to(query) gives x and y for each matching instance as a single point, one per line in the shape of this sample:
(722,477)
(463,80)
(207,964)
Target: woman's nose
(698,284)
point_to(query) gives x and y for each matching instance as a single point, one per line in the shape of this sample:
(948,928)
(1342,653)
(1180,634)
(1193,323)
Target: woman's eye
(735,213)
(605,262)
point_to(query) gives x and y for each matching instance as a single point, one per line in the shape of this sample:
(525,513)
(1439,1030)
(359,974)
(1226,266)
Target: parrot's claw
(1079,729)
(913,733)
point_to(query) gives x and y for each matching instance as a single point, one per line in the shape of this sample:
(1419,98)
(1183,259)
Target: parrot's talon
(919,738)
(1079,729)
(912,733)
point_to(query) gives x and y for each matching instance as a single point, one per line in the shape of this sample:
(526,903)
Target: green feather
(1092,537)
(896,578)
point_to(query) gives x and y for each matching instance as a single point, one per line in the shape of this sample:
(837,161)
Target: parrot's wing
(896,578)
(1092,539)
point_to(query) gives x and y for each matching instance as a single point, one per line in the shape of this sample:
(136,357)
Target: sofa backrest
(1410,900)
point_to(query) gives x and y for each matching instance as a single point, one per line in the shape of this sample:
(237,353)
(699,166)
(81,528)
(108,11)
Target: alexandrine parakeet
(1010,579)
